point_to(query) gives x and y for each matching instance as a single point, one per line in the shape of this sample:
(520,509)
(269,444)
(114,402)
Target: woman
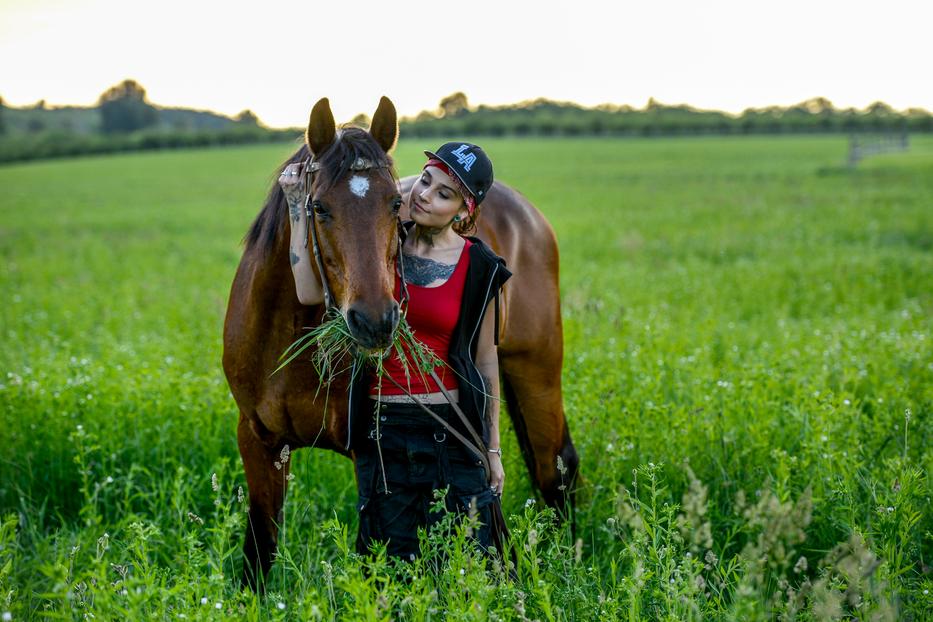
(402,454)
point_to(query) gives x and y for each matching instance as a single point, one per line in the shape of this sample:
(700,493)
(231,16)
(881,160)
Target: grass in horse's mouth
(334,350)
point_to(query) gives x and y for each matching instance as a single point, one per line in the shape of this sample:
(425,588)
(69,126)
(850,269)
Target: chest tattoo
(422,272)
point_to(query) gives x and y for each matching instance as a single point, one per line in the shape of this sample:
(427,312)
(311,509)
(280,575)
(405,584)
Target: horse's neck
(272,279)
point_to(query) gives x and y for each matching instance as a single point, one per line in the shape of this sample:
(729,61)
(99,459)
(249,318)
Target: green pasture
(748,378)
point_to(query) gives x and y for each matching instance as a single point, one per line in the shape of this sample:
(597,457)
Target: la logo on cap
(465,160)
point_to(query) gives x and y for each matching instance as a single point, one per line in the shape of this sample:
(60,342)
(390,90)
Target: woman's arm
(487,361)
(307,285)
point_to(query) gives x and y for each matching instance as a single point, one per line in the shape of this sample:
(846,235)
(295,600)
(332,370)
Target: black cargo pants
(420,456)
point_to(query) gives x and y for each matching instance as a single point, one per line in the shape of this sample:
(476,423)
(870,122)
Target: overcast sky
(278,58)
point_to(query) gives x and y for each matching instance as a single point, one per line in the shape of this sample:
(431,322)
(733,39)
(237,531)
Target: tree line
(543,117)
(125,120)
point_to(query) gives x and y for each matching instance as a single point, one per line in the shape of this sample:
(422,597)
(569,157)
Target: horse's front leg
(266,477)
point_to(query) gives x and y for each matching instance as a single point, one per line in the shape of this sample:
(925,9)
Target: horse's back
(519,233)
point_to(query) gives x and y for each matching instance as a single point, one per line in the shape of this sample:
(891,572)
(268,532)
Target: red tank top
(432,314)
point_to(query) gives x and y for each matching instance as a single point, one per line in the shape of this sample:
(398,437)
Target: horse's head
(355,202)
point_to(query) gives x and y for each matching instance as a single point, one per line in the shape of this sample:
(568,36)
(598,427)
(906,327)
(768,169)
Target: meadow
(748,379)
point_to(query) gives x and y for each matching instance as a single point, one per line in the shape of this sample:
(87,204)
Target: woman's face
(434,200)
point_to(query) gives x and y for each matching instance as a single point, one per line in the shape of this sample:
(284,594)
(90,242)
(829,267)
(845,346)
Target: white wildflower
(280,606)
(215,486)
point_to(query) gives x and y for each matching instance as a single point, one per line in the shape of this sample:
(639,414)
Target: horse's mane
(351,143)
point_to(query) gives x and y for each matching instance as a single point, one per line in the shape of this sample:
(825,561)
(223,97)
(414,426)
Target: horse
(358,242)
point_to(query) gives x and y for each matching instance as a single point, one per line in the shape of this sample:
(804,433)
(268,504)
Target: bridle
(312,166)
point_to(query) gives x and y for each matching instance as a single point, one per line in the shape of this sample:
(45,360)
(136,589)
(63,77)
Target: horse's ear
(384,127)
(321,127)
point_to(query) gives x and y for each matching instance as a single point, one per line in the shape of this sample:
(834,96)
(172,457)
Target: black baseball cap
(468,162)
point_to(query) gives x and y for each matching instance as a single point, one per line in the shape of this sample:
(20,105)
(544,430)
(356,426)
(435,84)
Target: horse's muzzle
(373,332)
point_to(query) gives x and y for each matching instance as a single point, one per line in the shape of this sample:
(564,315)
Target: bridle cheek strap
(312,167)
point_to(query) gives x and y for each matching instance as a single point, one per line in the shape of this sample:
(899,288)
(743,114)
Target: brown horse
(358,243)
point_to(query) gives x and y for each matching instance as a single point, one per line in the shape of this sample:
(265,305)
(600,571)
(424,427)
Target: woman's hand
(293,185)
(496,474)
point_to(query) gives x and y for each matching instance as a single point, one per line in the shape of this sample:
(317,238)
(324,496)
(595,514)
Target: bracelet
(497,451)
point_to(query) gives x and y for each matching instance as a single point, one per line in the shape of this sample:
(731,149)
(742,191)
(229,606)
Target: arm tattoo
(293,209)
(422,272)
(294,258)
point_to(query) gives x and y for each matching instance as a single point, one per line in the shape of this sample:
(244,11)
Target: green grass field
(748,378)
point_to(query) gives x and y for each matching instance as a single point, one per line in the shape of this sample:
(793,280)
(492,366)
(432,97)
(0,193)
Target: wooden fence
(864,145)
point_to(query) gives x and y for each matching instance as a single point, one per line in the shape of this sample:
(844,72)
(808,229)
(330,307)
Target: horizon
(718,57)
(411,117)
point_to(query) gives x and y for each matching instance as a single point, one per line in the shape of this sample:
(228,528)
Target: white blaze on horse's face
(359,186)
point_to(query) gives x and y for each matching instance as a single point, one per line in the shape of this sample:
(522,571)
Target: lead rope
(312,167)
(480,447)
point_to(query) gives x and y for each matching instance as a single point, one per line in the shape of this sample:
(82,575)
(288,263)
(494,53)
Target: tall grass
(747,378)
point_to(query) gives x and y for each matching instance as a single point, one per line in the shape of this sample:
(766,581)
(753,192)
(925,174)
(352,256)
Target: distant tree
(123,108)
(817,105)
(2,120)
(39,105)
(880,108)
(453,105)
(361,120)
(247,117)
(880,116)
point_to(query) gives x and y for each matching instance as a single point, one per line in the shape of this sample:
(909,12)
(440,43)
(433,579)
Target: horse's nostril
(391,317)
(353,320)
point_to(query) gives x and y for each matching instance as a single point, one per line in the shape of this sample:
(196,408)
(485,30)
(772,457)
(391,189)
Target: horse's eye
(397,205)
(319,208)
